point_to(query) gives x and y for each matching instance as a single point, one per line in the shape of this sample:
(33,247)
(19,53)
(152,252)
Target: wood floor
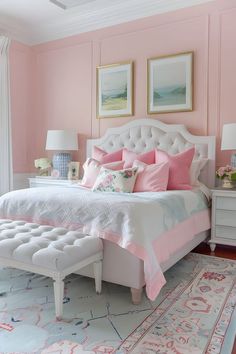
(220,251)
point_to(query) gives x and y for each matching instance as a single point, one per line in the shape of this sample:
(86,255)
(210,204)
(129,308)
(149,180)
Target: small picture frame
(115,90)
(73,170)
(170,83)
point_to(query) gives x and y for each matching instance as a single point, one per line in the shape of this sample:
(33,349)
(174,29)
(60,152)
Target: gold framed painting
(170,83)
(115,90)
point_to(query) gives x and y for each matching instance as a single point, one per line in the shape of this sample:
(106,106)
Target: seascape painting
(169,86)
(114,95)
(114,90)
(170,83)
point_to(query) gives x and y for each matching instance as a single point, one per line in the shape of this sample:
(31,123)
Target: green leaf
(233,176)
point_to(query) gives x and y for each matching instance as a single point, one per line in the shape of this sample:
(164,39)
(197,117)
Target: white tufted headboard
(141,135)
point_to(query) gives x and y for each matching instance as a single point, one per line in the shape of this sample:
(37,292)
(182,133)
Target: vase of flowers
(43,166)
(228,176)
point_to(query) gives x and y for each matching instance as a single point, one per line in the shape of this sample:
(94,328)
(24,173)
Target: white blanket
(134,221)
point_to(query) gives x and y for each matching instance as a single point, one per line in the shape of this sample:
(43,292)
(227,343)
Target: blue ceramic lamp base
(60,162)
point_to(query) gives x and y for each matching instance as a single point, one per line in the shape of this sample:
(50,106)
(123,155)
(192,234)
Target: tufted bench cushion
(47,250)
(55,247)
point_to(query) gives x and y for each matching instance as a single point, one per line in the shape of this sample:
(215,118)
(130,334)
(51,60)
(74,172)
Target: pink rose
(228,168)
(128,174)
(221,171)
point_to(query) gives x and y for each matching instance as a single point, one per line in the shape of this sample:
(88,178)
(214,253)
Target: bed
(120,265)
(142,135)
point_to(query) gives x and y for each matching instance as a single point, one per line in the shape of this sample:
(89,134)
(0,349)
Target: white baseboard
(20,180)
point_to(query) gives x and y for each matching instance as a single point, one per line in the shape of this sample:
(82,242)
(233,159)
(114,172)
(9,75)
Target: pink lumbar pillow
(179,174)
(105,157)
(151,178)
(129,157)
(92,168)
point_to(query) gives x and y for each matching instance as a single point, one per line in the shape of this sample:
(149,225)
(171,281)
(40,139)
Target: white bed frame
(140,135)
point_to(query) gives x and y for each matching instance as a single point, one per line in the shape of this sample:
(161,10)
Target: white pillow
(116,181)
(195,170)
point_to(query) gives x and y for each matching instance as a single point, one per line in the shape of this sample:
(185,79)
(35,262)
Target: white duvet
(134,221)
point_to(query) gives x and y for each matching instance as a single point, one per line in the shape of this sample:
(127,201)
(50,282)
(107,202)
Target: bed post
(136,295)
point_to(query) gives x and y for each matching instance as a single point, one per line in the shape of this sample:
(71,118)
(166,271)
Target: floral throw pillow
(116,181)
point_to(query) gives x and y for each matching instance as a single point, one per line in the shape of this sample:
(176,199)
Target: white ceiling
(37,21)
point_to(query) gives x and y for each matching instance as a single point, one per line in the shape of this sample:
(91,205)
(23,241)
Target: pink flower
(228,168)
(225,171)
(221,171)
(107,181)
(109,178)
(128,174)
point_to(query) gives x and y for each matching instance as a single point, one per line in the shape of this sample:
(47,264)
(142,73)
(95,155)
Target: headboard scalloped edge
(141,135)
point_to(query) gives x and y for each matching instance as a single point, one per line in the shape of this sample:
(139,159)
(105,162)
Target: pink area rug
(193,318)
(194,313)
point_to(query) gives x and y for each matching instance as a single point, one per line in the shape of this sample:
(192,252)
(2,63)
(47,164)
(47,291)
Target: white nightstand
(50,182)
(223,229)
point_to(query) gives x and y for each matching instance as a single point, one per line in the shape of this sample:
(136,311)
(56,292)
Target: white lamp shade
(228,141)
(61,140)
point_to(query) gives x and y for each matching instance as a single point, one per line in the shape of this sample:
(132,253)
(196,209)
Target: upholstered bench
(51,251)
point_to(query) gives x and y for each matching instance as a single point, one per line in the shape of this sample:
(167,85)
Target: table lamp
(228,141)
(62,141)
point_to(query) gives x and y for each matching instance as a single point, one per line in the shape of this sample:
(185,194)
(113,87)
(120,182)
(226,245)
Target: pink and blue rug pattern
(193,313)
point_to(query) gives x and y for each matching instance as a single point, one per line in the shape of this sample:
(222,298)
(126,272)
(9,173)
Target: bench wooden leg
(58,295)
(97,268)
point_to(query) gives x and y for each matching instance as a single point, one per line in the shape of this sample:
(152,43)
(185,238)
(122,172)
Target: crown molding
(16,32)
(68,5)
(119,12)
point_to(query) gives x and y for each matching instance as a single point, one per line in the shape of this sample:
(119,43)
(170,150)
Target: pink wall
(62,75)
(22,98)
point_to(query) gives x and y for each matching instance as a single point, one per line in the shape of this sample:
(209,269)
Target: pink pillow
(92,168)
(105,157)
(179,174)
(151,178)
(130,156)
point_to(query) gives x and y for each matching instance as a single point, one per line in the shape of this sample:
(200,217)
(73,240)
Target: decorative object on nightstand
(228,176)
(228,141)
(63,141)
(43,166)
(223,228)
(73,172)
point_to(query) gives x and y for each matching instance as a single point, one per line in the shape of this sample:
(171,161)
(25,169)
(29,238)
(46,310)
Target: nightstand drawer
(226,203)
(225,217)
(225,232)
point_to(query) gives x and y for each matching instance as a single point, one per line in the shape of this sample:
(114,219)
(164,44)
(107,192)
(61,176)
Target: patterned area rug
(193,313)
